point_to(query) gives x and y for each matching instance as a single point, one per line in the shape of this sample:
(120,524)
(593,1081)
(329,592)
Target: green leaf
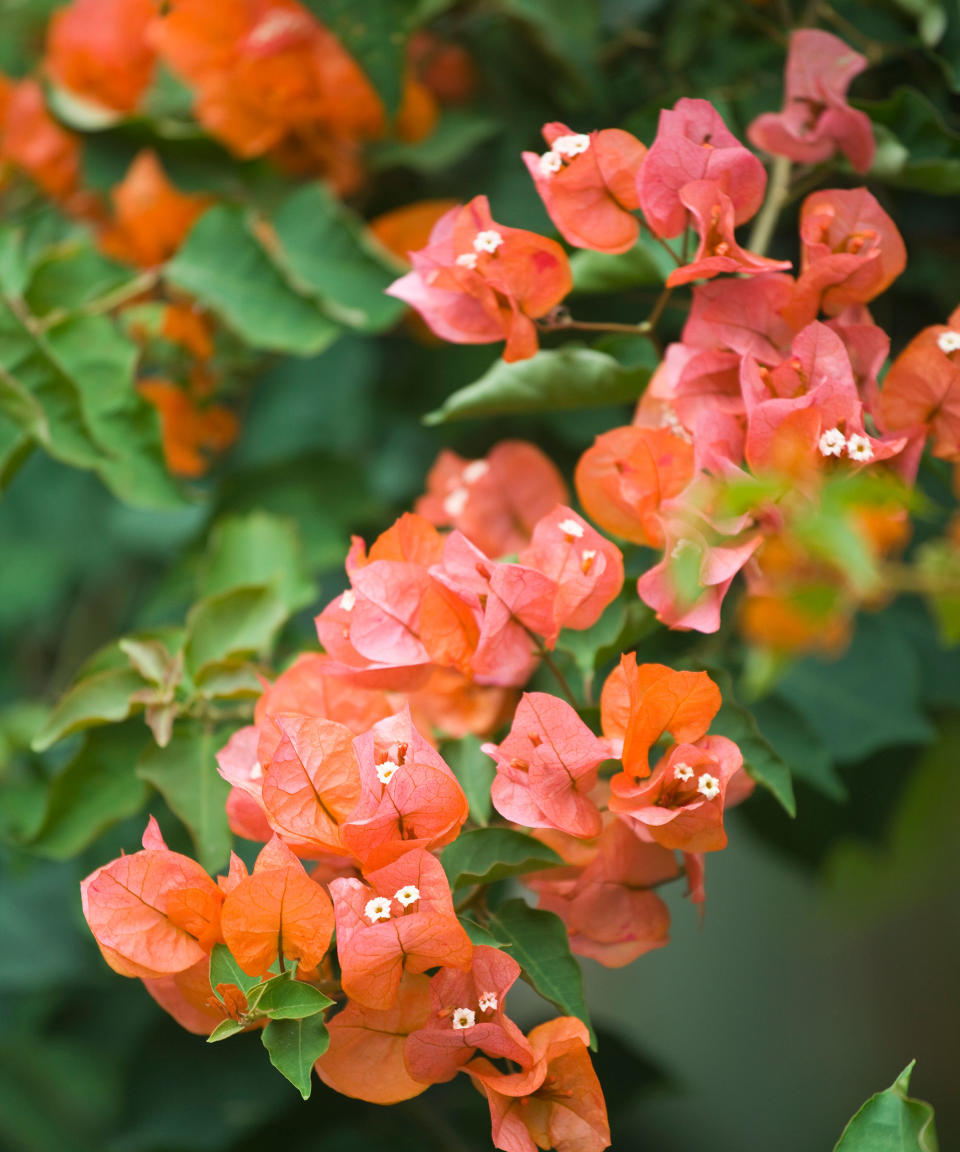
(891,1121)
(646,265)
(72,275)
(185,774)
(761,760)
(799,744)
(480,935)
(104,698)
(257,549)
(286,999)
(916,148)
(239,622)
(853,702)
(229,680)
(540,945)
(457,134)
(330,251)
(475,770)
(488,854)
(567,378)
(225,970)
(224,1030)
(15,448)
(226,269)
(96,789)
(294,1047)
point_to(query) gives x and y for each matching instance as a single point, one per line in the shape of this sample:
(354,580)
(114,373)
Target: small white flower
(708,786)
(348,600)
(683,772)
(474,470)
(455,502)
(859,448)
(256,772)
(949,342)
(832,442)
(464,1018)
(550,163)
(386,770)
(408,894)
(570,146)
(488,1002)
(467,260)
(377,909)
(588,555)
(488,241)
(571,528)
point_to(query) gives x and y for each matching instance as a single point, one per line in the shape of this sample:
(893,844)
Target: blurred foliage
(343,405)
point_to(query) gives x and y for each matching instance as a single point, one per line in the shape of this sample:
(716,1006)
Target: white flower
(708,786)
(859,448)
(256,772)
(832,442)
(474,470)
(571,528)
(348,600)
(683,772)
(455,502)
(588,555)
(488,241)
(488,1002)
(386,770)
(467,260)
(464,1018)
(377,909)
(407,895)
(550,163)
(949,342)
(570,146)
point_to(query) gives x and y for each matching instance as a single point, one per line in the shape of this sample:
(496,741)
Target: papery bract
(153,913)
(277,911)
(447,1041)
(365,1059)
(816,119)
(590,190)
(693,143)
(378,942)
(547,766)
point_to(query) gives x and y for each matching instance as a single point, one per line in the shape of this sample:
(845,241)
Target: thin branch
(568,323)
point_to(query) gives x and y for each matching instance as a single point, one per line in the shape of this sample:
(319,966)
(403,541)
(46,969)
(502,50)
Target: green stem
(777,191)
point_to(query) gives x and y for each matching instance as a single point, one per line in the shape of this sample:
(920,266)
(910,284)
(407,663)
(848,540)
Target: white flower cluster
(380,907)
(833,443)
(564,148)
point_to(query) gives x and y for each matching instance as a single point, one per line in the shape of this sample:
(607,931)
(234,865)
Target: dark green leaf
(330,251)
(539,943)
(185,774)
(225,268)
(488,854)
(240,622)
(96,789)
(569,377)
(285,999)
(800,745)
(458,132)
(891,1121)
(916,148)
(475,770)
(104,698)
(294,1047)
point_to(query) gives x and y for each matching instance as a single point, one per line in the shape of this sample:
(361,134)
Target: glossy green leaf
(566,378)
(539,943)
(283,998)
(104,698)
(185,774)
(294,1047)
(330,251)
(488,854)
(239,622)
(228,270)
(97,788)
(224,1030)
(480,935)
(891,1121)
(475,770)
